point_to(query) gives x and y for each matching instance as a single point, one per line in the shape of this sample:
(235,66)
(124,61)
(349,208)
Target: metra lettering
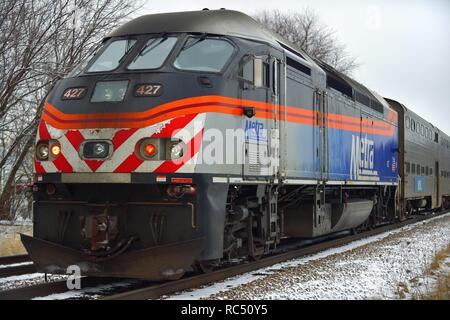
(254,130)
(362,157)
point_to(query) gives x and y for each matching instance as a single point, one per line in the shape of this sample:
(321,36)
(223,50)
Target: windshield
(153,54)
(204,54)
(112,55)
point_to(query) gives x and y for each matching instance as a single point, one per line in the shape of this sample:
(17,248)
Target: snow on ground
(2,266)
(370,268)
(26,280)
(89,293)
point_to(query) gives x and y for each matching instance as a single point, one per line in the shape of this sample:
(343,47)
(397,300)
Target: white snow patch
(367,272)
(2,266)
(91,293)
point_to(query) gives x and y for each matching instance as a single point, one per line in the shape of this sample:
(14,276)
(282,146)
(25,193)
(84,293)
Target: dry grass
(10,243)
(440,290)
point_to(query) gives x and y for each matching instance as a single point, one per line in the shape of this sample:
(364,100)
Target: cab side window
(255,71)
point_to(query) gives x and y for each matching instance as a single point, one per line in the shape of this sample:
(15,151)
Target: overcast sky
(402,45)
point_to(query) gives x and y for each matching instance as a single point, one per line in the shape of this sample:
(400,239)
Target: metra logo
(362,163)
(254,130)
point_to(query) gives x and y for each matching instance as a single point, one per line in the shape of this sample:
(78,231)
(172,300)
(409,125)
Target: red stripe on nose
(130,164)
(38,166)
(176,124)
(43,131)
(121,136)
(62,164)
(75,138)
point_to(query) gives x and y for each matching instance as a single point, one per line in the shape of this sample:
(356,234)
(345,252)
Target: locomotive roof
(228,23)
(220,22)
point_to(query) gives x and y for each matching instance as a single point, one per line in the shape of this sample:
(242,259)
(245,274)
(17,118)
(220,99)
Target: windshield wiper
(129,47)
(150,45)
(203,37)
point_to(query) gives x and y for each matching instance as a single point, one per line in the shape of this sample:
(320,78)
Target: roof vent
(205,9)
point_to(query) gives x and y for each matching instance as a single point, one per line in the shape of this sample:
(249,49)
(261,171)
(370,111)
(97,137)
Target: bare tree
(305,30)
(40,41)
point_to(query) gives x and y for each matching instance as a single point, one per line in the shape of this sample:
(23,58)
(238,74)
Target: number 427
(148,90)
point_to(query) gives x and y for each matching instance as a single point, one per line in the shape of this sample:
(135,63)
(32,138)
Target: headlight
(148,149)
(42,150)
(177,150)
(55,150)
(96,150)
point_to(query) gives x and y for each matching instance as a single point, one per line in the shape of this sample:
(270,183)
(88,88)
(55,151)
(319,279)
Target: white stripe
(220,180)
(298,181)
(72,156)
(193,128)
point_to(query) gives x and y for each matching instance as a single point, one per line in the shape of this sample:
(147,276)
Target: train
(191,140)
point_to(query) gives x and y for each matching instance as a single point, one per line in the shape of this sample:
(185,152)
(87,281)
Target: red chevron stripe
(121,136)
(43,131)
(38,166)
(176,124)
(75,138)
(130,164)
(62,164)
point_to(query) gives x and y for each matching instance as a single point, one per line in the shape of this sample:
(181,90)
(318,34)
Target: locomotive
(193,139)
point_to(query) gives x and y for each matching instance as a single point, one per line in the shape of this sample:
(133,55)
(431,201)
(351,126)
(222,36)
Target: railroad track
(156,290)
(16,265)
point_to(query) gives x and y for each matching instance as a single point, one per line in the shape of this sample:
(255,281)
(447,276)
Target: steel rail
(14,259)
(17,270)
(156,291)
(9,267)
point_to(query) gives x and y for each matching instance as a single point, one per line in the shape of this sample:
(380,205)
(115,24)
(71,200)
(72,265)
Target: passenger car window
(111,56)
(413,168)
(204,54)
(413,125)
(407,165)
(153,54)
(407,122)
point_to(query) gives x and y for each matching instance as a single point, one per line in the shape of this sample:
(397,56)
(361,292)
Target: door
(438,191)
(275,125)
(321,146)
(256,89)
